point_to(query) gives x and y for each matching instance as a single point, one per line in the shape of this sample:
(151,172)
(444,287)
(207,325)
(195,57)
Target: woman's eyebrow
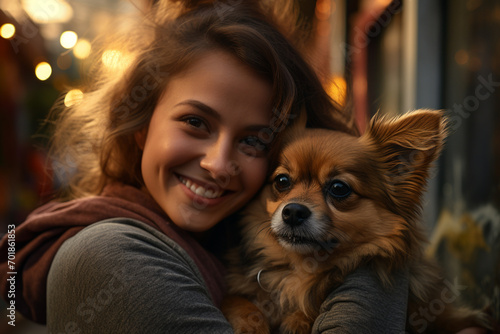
(256,127)
(202,107)
(211,112)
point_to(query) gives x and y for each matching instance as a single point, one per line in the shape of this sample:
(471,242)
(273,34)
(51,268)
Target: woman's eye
(253,146)
(339,190)
(255,142)
(195,122)
(282,182)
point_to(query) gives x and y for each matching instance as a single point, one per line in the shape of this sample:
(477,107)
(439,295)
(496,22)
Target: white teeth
(201,191)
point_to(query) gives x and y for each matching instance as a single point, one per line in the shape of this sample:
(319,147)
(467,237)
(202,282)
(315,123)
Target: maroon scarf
(40,236)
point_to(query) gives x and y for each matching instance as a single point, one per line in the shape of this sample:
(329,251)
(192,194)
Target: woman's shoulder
(118,229)
(121,273)
(120,239)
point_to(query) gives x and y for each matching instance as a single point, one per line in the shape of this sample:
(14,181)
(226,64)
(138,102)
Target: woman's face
(202,157)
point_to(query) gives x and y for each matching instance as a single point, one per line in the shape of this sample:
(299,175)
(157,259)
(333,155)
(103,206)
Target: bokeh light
(73,97)
(43,71)
(323,9)
(337,89)
(43,11)
(82,49)
(461,57)
(111,58)
(7,30)
(116,60)
(68,39)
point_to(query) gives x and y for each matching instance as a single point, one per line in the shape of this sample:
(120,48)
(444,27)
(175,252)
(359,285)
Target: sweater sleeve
(362,305)
(121,276)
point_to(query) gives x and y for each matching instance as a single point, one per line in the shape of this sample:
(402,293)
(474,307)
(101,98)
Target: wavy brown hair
(93,141)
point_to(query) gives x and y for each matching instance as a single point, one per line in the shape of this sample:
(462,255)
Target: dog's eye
(282,182)
(339,189)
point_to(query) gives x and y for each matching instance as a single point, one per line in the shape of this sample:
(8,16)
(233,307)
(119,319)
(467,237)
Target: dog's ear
(406,147)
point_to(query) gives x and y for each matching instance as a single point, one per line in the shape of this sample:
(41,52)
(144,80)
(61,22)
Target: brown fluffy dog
(336,202)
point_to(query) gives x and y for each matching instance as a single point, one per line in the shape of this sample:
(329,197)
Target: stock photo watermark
(373,28)
(471,103)
(11,280)
(28,31)
(421,318)
(266,136)
(140,92)
(88,310)
(43,11)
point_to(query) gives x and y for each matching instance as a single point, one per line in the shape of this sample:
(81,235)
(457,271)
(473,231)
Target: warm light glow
(337,89)
(43,71)
(68,39)
(82,49)
(116,60)
(461,57)
(111,58)
(7,31)
(323,9)
(375,5)
(73,97)
(383,3)
(48,11)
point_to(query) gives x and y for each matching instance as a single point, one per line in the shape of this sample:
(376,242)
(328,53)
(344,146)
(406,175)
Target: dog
(333,203)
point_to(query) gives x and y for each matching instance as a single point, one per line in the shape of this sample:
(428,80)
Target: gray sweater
(123,276)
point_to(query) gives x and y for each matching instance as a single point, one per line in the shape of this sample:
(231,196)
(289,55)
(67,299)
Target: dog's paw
(244,316)
(250,324)
(296,323)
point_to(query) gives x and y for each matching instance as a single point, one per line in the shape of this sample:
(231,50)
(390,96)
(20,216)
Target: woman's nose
(218,161)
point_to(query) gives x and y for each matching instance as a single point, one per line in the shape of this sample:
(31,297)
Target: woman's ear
(140,137)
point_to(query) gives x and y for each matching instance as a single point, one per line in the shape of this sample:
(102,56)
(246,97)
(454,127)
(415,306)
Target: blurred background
(395,56)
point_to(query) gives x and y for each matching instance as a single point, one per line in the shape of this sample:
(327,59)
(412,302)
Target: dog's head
(354,196)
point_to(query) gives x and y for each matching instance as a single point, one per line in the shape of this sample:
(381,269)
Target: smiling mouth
(200,190)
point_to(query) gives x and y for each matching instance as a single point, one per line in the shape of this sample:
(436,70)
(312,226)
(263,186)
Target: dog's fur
(336,202)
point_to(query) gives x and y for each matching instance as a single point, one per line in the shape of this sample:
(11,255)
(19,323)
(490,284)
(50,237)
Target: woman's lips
(202,194)
(201,190)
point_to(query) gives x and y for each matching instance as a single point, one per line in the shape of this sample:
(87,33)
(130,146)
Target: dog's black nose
(294,214)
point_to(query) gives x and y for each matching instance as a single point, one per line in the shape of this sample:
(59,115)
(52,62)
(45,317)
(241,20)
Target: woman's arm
(113,277)
(362,305)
